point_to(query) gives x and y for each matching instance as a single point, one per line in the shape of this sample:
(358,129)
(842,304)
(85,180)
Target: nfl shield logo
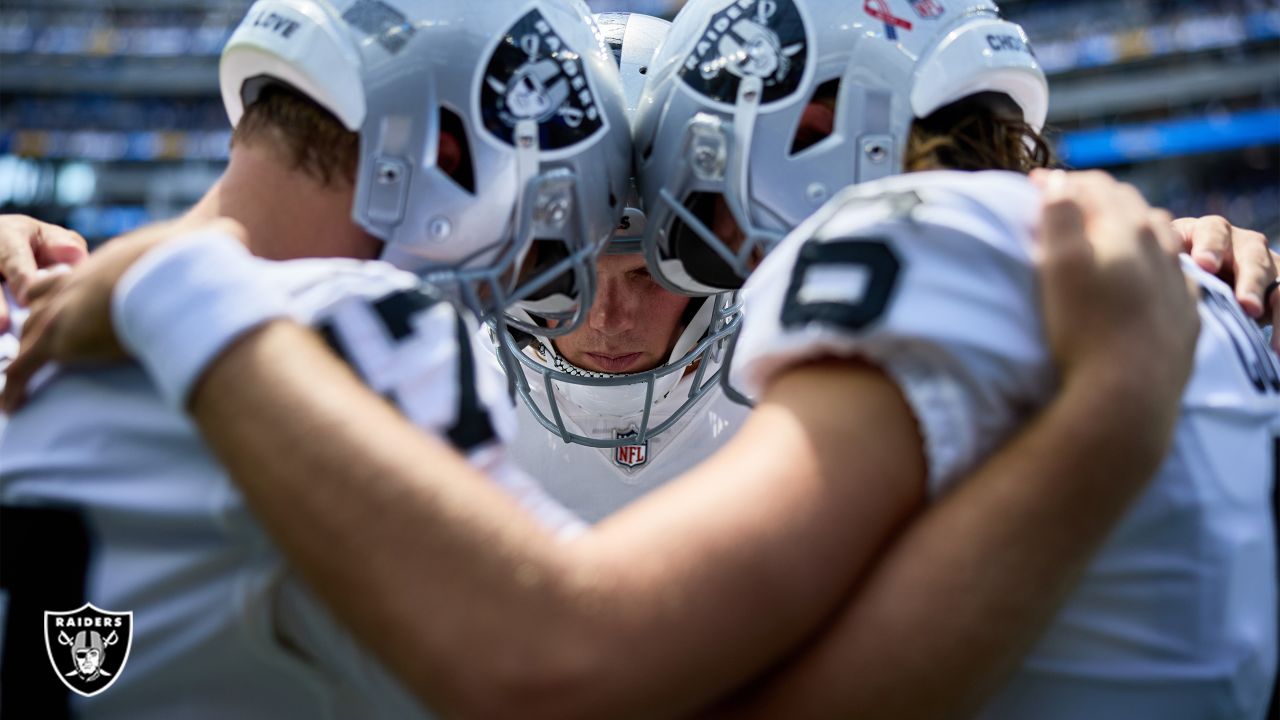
(631,455)
(89,647)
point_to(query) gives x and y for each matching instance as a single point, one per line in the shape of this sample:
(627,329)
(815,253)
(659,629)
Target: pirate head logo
(749,38)
(88,647)
(533,75)
(631,456)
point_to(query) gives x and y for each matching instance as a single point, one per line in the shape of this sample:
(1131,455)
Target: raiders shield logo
(631,456)
(533,75)
(89,647)
(749,38)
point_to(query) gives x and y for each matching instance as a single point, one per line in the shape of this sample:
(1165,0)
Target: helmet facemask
(552,387)
(707,129)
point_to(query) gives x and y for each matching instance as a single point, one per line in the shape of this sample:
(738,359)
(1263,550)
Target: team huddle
(531,363)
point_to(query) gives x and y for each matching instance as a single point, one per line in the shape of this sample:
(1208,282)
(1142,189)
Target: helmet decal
(534,75)
(928,9)
(879,10)
(382,22)
(749,38)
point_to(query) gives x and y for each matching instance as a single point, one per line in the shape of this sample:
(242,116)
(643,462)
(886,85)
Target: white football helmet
(654,400)
(718,134)
(528,90)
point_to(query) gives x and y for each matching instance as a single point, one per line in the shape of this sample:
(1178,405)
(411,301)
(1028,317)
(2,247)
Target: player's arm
(1003,549)
(679,597)
(424,563)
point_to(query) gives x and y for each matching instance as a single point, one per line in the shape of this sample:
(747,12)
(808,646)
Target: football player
(443,136)
(924,283)
(678,584)
(632,398)
(712,579)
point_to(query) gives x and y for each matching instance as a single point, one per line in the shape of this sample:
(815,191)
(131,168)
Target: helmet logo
(749,38)
(88,647)
(928,9)
(533,75)
(879,10)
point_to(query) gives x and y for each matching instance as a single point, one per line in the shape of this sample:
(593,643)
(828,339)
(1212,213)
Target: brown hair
(307,136)
(982,132)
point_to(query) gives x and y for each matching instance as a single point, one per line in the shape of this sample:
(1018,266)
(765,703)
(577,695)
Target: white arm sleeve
(939,296)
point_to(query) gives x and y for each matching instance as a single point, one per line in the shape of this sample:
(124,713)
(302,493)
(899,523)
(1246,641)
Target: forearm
(963,594)
(278,411)
(669,604)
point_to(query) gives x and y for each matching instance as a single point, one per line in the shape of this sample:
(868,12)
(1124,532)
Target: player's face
(87,661)
(633,323)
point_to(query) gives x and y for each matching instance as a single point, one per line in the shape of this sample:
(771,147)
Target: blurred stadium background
(110,116)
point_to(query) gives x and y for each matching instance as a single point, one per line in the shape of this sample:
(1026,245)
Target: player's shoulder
(993,208)
(316,287)
(931,260)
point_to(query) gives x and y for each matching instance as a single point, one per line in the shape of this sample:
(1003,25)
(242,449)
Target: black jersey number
(847,283)
(473,426)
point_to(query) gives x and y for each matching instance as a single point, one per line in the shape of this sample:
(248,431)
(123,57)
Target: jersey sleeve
(937,295)
(420,353)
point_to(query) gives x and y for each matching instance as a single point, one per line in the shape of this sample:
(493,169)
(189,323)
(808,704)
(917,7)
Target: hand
(70,320)
(1236,256)
(1119,313)
(27,246)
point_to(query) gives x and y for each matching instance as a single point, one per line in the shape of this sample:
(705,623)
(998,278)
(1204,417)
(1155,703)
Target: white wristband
(185,302)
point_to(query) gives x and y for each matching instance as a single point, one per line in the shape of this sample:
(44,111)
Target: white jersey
(929,276)
(597,482)
(110,497)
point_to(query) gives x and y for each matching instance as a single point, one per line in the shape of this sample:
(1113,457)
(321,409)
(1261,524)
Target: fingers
(56,245)
(34,354)
(27,244)
(1255,268)
(17,259)
(48,282)
(1208,240)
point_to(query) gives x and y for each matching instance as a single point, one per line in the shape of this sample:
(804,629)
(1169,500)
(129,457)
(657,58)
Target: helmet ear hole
(454,153)
(817,122)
